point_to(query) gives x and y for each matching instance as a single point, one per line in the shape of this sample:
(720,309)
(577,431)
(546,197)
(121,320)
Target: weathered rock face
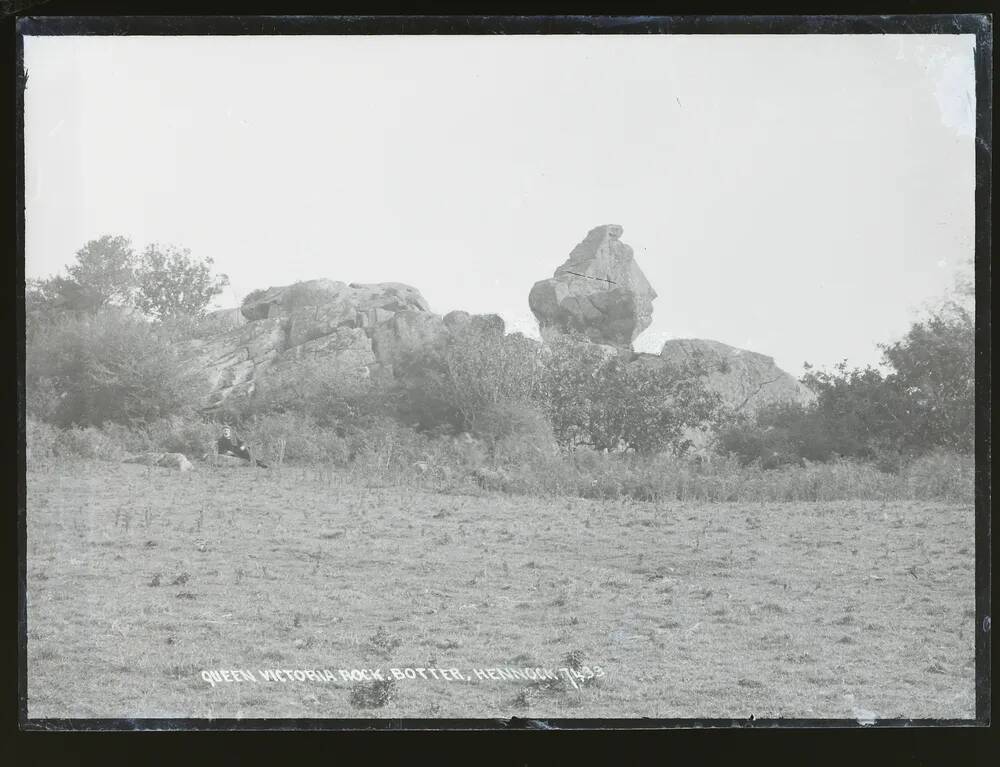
(456,318)
(405,330)
(343,356)
(356,304)
(745,380)
(230,360)
(600,291)
(352,330)
(223,320)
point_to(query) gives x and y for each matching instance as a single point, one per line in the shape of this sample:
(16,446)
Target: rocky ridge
(354,329)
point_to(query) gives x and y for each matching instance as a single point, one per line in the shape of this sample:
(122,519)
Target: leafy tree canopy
(171,283)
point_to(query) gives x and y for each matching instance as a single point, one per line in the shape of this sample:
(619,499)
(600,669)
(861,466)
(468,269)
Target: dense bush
(858,411)
(596,397)
(934,372)
(330,394)
(305,440)
(451,385)
(106,367)
(514,433)
(44,441)
(787,434)
(923,402)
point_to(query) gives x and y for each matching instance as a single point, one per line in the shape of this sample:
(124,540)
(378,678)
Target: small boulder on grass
(167,460)
(175,461)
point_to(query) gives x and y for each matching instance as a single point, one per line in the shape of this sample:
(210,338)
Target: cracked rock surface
(341,330)
(599,291)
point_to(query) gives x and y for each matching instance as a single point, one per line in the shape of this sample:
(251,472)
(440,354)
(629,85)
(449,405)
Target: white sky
(800,196)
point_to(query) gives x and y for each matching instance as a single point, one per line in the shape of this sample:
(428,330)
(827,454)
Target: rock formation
(352,329)
(745,380)
(600,291)
(344,331)
(355,305)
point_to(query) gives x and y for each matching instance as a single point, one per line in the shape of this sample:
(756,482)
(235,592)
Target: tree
(934,371)
(484,368)
(171,283)
(461,378)
(608,401)
(858,410)
(104,273)
(164,283)
(45,299)
(925,400)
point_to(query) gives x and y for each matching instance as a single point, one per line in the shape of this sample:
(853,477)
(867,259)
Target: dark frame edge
(962,23)
(19,85)
(983,261)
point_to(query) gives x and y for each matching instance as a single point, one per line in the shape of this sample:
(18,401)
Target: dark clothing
(236,449)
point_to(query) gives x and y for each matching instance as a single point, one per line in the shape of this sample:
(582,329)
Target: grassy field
(139,579)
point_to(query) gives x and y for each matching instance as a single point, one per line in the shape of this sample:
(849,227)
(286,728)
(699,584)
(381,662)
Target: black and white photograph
(397,375)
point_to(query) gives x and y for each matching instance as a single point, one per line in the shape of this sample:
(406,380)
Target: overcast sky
(800,196)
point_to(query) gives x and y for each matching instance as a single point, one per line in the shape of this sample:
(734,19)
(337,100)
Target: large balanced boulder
(600,292)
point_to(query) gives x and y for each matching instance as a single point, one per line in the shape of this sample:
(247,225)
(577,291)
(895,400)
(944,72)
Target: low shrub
(87,442)
(305,441)
(515,434)
(942,476)
(41,440)
(387,453)
(610,476)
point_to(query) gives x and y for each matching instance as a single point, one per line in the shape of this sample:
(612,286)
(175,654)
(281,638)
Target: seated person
(229,445)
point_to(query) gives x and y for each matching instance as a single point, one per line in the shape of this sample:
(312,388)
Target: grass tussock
(374,694)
